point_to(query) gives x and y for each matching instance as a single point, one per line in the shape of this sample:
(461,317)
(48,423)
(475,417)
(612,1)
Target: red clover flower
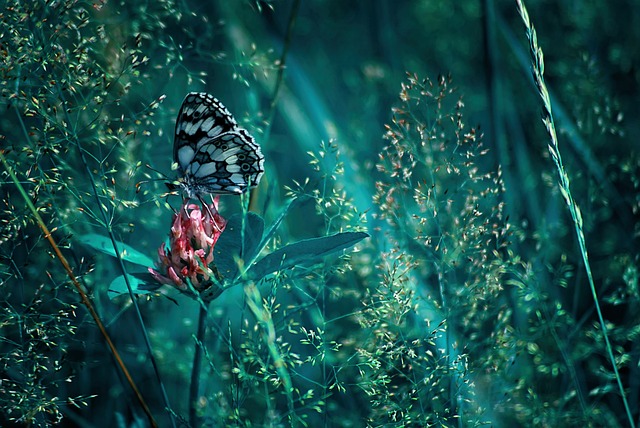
(194,233)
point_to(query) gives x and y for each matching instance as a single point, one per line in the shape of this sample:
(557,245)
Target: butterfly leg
(213,219)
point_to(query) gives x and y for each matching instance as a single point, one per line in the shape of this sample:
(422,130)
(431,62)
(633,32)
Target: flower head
(194,233)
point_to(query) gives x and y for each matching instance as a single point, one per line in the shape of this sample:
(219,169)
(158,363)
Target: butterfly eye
(224,148)
(246,167)
(241,156)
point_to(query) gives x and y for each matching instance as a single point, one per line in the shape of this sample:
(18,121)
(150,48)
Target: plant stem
(194,388)
(83,296)
(537,58)
(264,319)
(281,67)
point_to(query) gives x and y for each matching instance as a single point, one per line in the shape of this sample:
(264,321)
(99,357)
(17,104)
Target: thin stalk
(83,296)
(264,319)
(281,67)
(196,370)
(136,307)
(554,149)
(107,225)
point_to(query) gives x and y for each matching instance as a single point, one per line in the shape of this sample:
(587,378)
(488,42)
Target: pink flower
(194,233)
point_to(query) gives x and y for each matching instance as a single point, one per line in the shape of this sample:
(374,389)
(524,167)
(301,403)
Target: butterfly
(213,154)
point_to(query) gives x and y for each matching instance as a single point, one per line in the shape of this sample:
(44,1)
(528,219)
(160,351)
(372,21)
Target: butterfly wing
(201,118)
(213,154)
(229,163)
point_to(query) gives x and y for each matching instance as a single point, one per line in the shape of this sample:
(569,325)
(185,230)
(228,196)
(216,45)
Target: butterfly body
(213,154)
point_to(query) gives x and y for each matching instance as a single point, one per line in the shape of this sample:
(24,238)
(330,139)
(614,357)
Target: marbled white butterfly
(213,154)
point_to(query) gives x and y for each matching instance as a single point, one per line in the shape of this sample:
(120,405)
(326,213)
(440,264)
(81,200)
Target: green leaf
(307,252)
(141,283)
(104,245)
(274,226)
(230,250)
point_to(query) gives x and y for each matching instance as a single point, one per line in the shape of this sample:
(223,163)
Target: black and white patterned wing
(213,154)
(230,163)
(201,118)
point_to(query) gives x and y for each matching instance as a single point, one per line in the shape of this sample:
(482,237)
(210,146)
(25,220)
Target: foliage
(468,305)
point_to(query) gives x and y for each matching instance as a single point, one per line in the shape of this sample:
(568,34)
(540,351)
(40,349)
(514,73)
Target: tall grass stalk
(281,67)
(196,370)
(537,59)
(106,223)
(133,298)
(83,296)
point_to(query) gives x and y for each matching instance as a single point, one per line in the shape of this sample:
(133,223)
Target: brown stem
(83,296)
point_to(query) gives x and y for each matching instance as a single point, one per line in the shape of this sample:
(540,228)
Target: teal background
(472,308)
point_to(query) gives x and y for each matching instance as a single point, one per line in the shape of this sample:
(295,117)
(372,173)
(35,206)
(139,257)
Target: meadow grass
(482,296)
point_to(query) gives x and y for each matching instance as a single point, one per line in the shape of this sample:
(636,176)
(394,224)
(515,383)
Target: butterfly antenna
(162,175)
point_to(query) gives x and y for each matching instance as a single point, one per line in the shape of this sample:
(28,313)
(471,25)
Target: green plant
(468,305)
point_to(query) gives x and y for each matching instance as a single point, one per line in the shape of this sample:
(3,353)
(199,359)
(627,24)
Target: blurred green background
(470,308)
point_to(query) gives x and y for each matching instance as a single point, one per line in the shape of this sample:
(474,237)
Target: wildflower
(189,258)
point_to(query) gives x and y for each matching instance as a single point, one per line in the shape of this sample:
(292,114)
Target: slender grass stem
(281,66)
(83,296)
(279,78)
(263,317)
(196,370)
(107,225)
(554,149)
(136,307)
